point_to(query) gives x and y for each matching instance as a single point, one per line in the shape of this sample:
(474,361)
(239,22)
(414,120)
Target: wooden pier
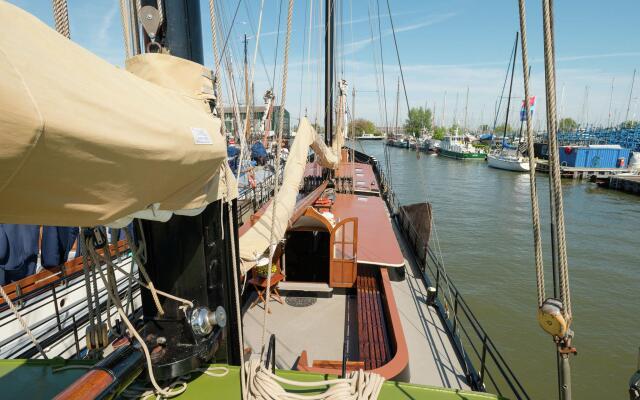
(625,183)
(582,173)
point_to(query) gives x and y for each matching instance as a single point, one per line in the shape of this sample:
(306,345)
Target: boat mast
(180,266)
(397,108)
(328,71)
(513,67)
(633,81)
(466,110)
(613,80)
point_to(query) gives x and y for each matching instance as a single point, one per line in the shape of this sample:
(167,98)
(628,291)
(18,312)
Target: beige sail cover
(86,143)
(255,242)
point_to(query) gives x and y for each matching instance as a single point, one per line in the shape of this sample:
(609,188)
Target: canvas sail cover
(87,143)
(255,242)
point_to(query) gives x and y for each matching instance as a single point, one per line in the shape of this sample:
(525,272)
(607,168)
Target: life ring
(568,150)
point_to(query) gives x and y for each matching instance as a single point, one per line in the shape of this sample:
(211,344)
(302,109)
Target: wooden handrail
(47,276)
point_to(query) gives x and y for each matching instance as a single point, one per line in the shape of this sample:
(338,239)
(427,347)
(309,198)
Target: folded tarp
(254,243)
(86,143)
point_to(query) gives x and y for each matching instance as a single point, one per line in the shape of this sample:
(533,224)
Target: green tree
(361,126)
(567,124)
(439,132)
(629,124)
(500,129)
(419,121)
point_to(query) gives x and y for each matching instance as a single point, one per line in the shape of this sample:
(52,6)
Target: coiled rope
(265,385)
(554,162)
(535,208)
(61,17)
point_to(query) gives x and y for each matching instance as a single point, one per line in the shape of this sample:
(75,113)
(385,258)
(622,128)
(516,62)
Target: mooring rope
(61,17)
(554,164)
(535,208)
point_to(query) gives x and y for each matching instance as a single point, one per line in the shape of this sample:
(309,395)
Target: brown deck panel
(377,242)
(364,179)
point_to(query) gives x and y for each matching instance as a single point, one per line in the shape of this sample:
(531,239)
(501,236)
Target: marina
(601,228)
(223,200)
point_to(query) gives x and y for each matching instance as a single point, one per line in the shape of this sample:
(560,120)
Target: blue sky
(445,45)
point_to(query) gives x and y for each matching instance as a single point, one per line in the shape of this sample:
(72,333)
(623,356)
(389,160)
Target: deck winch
(204,320)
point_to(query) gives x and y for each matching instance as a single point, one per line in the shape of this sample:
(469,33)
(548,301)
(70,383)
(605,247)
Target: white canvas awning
(87,143)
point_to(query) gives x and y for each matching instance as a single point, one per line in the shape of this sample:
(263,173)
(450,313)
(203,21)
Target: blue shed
(594,156)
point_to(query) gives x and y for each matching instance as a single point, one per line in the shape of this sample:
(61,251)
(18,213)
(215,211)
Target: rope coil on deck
(264,385)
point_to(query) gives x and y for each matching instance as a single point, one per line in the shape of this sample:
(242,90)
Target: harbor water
(483,222)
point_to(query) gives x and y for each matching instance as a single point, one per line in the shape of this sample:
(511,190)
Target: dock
(581,173)
(625,183)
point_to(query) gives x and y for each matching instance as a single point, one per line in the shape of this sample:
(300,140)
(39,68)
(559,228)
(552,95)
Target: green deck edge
(35,379)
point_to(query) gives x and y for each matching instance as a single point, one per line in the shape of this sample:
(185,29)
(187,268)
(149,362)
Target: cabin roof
(377,242)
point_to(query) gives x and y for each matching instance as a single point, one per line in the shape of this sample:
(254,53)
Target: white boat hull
(520,164)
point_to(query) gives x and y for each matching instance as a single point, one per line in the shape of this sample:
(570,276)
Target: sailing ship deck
(320,330)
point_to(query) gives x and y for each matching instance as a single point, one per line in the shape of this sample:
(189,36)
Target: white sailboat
(508,161)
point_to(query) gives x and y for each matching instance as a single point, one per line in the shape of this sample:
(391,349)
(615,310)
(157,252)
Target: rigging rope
(115,300)
(126,27)
(554,164)
(61,17)
(273,245)
(22,322)
(395,42)
(535,208)
(216,72)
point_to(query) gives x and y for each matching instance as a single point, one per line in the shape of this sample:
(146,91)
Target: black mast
(191,257)
(328,71)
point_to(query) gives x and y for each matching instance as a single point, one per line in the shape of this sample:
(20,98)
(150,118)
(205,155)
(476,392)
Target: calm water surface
(483,221)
